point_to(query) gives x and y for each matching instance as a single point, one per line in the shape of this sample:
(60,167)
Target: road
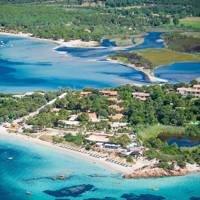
(39,109)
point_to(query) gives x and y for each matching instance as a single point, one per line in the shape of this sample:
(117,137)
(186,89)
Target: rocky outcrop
(157,172)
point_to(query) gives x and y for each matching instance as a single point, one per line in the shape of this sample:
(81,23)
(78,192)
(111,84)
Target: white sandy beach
(140,168)
(107,165)
(60,42)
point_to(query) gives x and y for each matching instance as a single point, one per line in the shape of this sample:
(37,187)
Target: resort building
(113,99)
(191,91)
(117,125)
(93,117)
(141,95)
(117,116)
(117,108)
(110,145)
(98,137)
(109,93)
(85,93)
(55,110)
(73,117)
(14,127)
(68,124)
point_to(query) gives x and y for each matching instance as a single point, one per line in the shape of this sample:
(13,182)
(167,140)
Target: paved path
(39,109)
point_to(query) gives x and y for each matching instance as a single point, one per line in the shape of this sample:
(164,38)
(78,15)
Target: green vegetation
(161,57)
(133,58)
(151,58)
(165,112)
(181,47)
(153,131)
(182,42)
(64,20)
(78,139)
(193,131)
(123,140)
(168,155)
(12,108)
(191,22)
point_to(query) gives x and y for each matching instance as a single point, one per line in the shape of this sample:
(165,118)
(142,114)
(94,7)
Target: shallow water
(27,64)
(183,142)
(179,72)
(32,164)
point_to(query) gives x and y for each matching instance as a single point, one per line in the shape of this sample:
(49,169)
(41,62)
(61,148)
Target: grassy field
(154,131)
(161,57)
(191,22)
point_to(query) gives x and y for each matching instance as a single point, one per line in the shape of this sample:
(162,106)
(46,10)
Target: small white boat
(10,158)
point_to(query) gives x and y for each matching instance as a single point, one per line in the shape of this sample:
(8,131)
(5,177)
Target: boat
(10,158)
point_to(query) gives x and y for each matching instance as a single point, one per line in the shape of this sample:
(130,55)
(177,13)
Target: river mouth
(180,141)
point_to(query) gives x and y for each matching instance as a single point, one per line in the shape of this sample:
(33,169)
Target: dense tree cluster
(133,58)
(55,21)
(180,42)
(165,106)
(12,108)
(117,3)
(168,155)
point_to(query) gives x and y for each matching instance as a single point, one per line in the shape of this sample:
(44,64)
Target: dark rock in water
(106,198)
(73,191)
(97,175)
(132,196)
(194,198)
(62,199)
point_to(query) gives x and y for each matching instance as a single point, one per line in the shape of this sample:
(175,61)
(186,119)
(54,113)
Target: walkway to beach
(39,109)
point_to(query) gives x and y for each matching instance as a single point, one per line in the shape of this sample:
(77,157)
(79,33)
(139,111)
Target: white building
(141,95)
(191,91)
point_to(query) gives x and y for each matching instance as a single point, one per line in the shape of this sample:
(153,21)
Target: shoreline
(60,42)
(107,165)
(149,76)
(76,43)
(136,171)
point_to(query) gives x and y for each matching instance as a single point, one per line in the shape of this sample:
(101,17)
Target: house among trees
(98,137)
(141,95)
(55,110)
(190,91)
(85,93)
(93,117)
(117,125)
(109,93)
(117,116)
(116,107)
(68,124)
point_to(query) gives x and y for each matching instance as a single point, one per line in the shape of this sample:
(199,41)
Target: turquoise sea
(28,64)
(32,164)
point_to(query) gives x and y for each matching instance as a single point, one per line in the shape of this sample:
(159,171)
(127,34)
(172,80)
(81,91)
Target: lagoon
(28,64)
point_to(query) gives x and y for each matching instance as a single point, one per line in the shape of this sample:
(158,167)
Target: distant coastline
(61,42)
